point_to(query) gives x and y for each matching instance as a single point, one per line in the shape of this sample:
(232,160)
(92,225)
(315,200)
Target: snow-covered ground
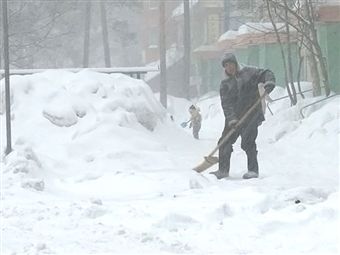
(98,167)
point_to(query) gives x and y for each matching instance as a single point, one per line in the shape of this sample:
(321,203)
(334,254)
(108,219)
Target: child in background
(195,120)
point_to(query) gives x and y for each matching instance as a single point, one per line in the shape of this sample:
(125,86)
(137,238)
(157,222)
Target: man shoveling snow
(241,104)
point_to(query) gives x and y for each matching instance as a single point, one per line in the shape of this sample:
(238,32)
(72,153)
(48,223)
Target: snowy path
(174,210)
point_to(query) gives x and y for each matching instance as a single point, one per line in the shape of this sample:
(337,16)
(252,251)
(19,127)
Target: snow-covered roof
(251,28)
(230,34)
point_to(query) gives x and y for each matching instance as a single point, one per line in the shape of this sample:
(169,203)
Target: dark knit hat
(229,57)
(192,107)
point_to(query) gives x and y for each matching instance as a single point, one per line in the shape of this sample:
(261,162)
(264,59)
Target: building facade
(220,26)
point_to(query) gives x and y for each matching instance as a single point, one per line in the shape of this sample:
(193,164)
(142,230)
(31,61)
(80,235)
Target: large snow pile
(61,115)
(98,167)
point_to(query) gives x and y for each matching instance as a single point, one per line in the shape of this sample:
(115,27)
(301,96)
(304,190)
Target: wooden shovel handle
(238,124)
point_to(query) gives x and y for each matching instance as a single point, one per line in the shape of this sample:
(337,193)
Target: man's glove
(269,86)
(232,123)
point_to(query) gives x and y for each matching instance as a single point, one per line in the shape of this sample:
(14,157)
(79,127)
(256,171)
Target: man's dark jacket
(239,93)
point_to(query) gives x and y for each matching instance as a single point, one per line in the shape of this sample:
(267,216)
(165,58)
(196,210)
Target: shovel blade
(184,124)
(207,163)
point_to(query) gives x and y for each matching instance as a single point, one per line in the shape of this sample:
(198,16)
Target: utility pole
(87,20)
(7,86)
(162,53)
(107,55)
(227,7)
(187,49)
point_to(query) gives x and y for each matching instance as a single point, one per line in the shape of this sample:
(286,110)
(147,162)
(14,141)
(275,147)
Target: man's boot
(253,167)
(220,174)
(223,162)
(250,175)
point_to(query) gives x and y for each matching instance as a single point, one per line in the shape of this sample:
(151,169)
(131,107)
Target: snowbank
(57,115)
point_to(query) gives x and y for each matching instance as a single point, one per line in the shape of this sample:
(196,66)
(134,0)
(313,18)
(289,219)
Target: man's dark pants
(248,135)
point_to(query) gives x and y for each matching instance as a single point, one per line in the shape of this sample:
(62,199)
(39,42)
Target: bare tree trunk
(322,60)
(7,80)
(162,52)
(187,49)
(298,75)
(1,42)
(87,20)
(313,65)
(293,102)
(1,46)
(300,49)
(289,52)
(105,33)
(1,50)
(227,7)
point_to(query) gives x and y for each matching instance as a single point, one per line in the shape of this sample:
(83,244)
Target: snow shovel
(211,160)
(184,124)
